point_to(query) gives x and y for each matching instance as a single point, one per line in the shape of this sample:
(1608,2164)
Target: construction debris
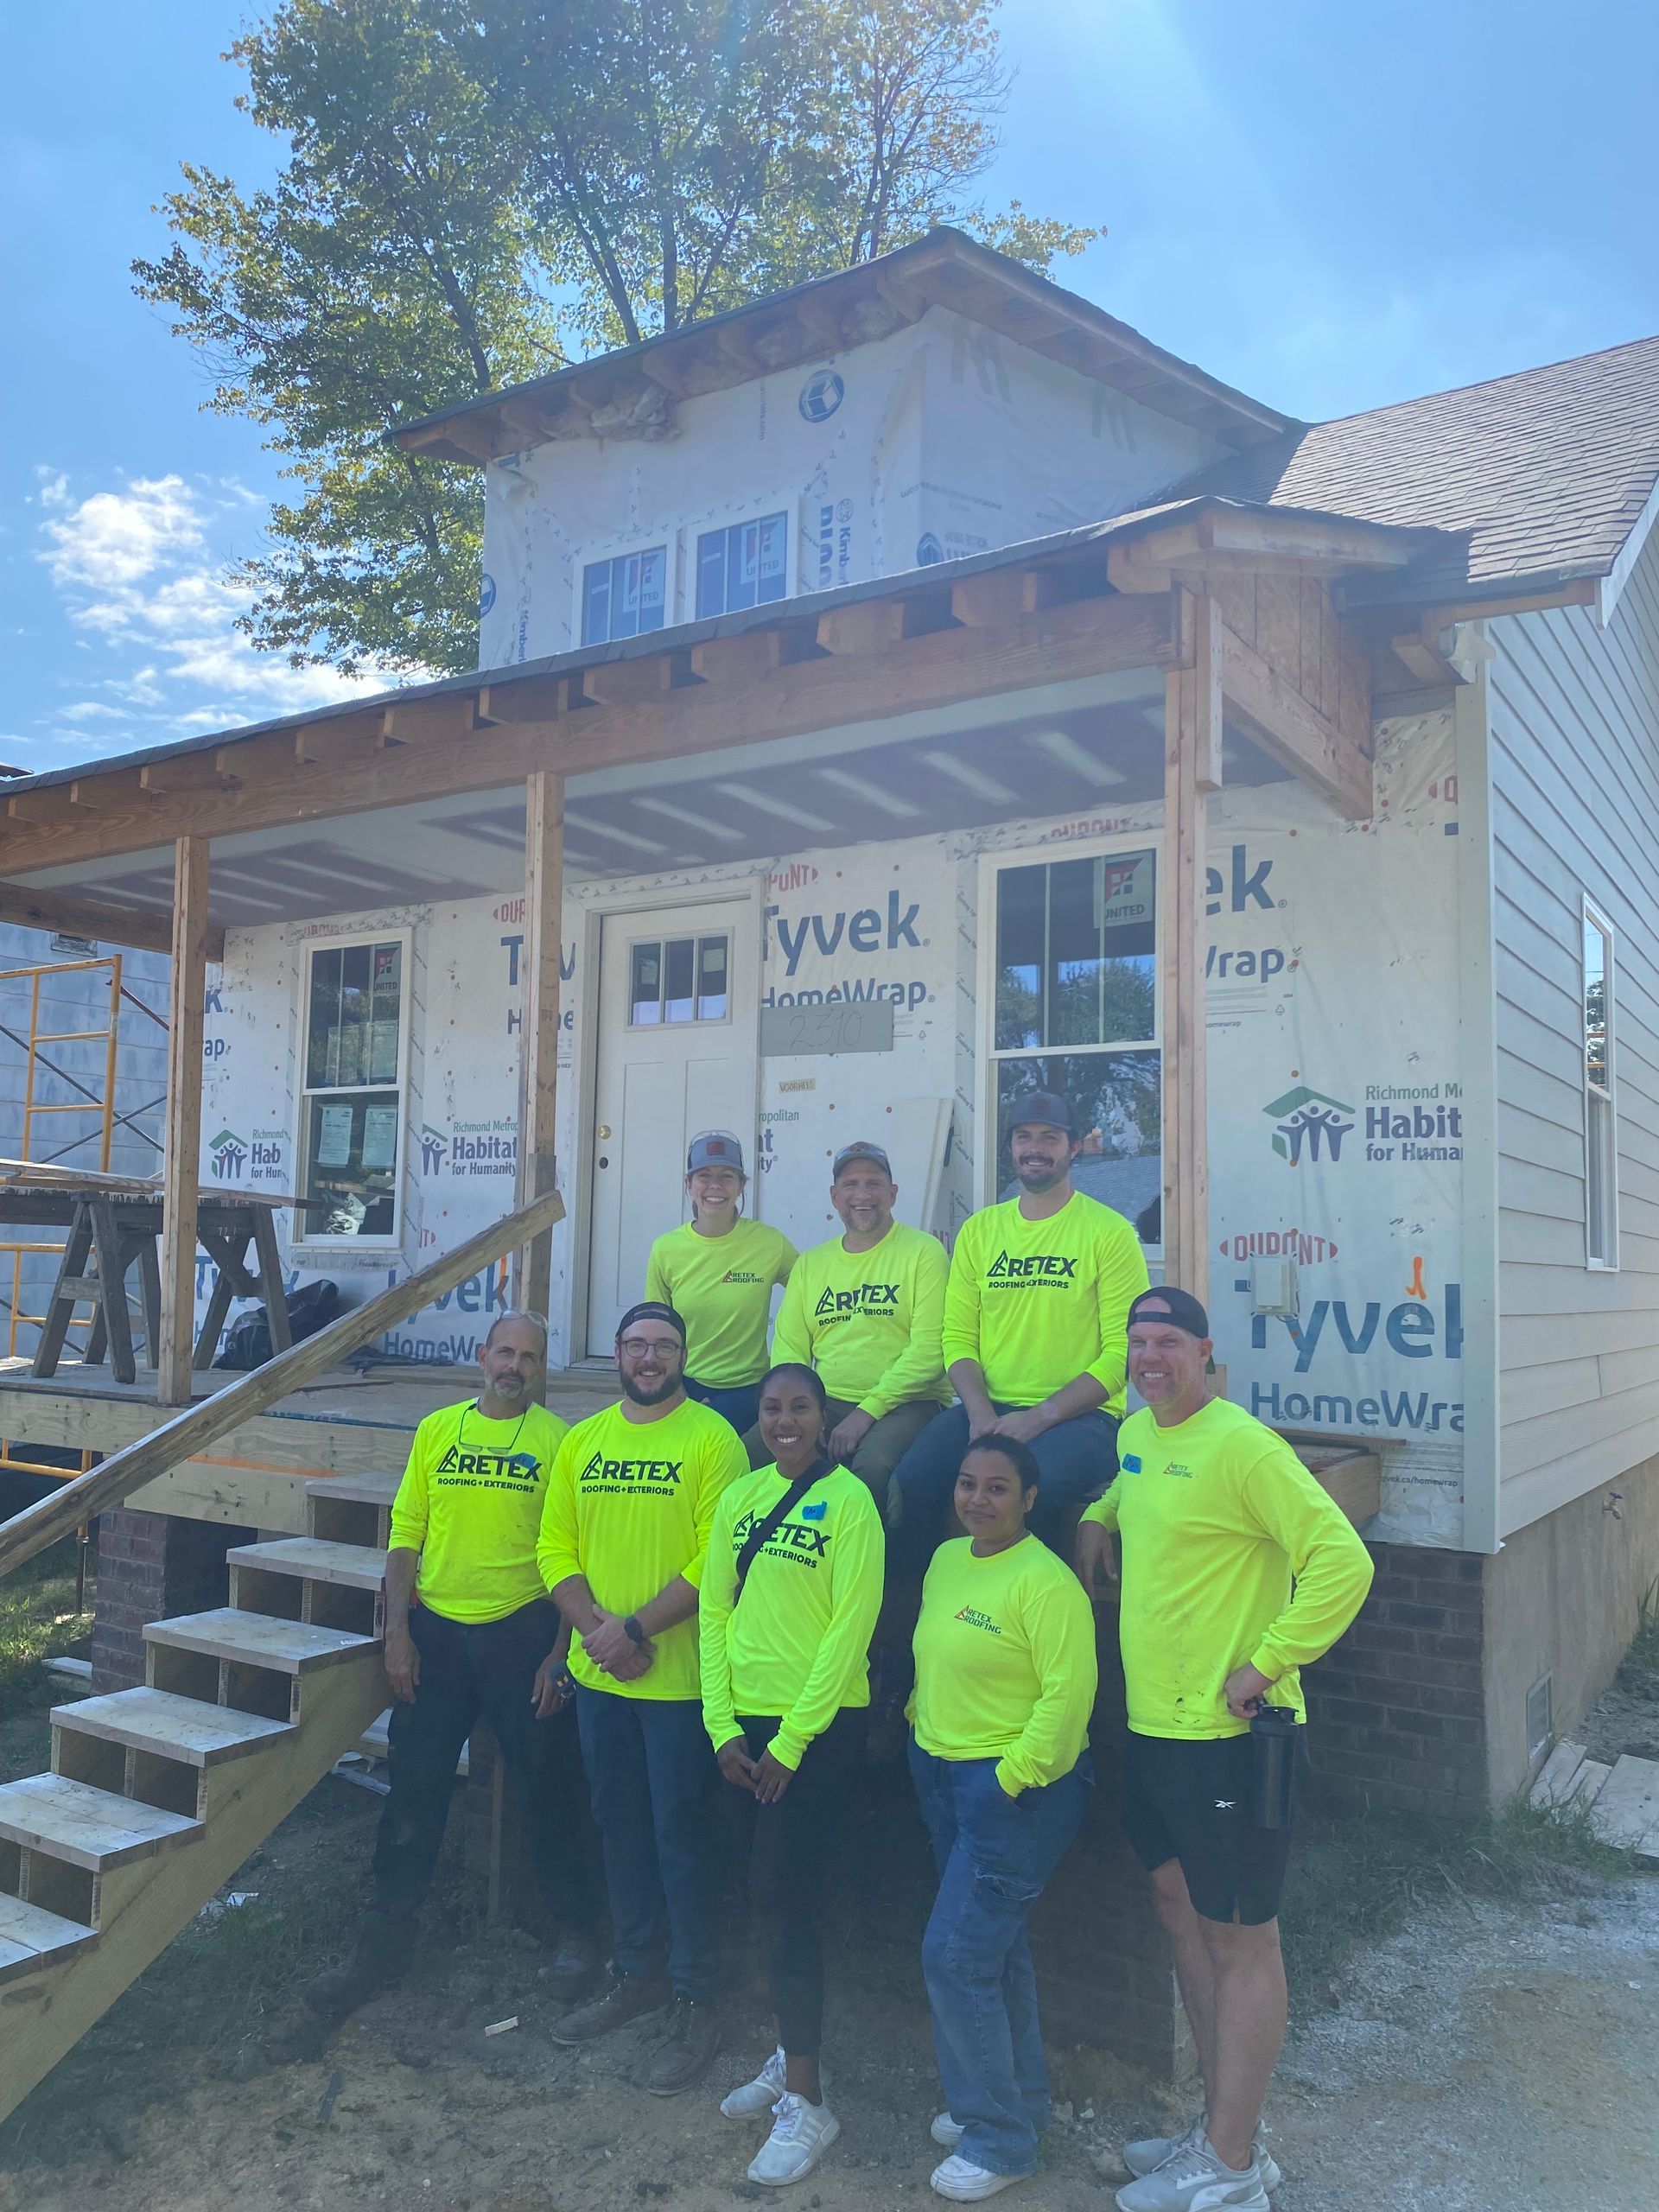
(1623,1800)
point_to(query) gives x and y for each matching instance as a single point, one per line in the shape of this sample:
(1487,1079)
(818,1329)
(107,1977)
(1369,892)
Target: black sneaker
(379,1957)
(623,1998)
(687,2050)
(576,1965)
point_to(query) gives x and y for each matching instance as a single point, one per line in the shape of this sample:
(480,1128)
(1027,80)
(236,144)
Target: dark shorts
(1192,1802)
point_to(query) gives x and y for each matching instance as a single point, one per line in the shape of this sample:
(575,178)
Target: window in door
(1076,1011)
(679,979)
(624,597)
(743,566)
(1600,1113)
(352,1110)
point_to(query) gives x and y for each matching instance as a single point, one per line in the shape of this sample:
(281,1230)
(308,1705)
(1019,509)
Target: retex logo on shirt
(975,1618)
(868,1298)
(806,1547)
(636,1475)
(493,1470)
(1034,1267)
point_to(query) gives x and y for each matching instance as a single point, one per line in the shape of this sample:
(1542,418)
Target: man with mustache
(630,1503)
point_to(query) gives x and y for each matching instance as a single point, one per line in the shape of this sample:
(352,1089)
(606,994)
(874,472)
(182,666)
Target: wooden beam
(1200,704)
(191,1431)
(1002,594)
(112,790)
(186,773)
(1217,540)
(868,625)
(1293,732)
(89,917)
(51,802)
(1080,638)
(182,1147)
(1181,898)
(538,1030)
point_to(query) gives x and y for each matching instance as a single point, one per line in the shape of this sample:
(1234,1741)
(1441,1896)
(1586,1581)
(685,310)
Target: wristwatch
(632,1631)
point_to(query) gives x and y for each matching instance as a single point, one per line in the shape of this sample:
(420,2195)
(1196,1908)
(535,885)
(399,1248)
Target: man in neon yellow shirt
(719,1270)
(1034,1315)
(1238,1570)
(625,1528)
(469,1631)
(866,1311)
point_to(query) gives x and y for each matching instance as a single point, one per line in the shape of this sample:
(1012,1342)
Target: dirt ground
(1490,2056)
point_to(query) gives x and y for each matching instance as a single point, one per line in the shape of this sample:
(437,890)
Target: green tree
(475,192)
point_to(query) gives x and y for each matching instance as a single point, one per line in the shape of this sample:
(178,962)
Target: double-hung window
(351,1134)
(1600,1113)
(745,565)
(1074,979)
(625,597)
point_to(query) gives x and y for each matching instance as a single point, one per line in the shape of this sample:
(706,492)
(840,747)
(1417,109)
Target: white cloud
(117,539)
(143,572)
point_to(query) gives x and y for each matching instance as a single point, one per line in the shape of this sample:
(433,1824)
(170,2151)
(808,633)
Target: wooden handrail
(181,1438)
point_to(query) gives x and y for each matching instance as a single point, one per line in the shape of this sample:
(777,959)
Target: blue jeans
(650,1778)
(1078,1459)
(995,1854)
(739,1402)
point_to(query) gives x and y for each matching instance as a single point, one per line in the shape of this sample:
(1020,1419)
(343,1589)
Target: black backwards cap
(1184,1309)
(650,1309)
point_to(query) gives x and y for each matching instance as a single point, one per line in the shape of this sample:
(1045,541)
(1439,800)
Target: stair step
(355,1490)
(31,1937)
(257,1640)
(85,1827)
(350,1567)
(183,1728)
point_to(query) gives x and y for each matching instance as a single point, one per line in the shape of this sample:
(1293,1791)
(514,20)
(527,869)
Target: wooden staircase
(156,1796)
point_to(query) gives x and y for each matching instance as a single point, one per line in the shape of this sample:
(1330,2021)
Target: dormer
(939,402)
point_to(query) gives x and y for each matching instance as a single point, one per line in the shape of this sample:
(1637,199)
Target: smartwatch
(632,1631)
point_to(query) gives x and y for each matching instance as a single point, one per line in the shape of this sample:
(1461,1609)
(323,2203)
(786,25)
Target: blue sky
(1329,208)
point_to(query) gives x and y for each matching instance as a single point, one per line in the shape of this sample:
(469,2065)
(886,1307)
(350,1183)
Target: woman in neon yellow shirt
(718,1272)
(792,1586)
(1005,1683)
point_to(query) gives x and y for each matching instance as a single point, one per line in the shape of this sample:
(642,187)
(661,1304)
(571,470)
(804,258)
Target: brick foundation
(150,1565)
(1398,1708)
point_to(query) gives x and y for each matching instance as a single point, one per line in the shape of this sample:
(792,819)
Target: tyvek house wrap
(942,440)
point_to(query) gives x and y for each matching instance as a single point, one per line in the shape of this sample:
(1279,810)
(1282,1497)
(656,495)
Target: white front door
(676,1055)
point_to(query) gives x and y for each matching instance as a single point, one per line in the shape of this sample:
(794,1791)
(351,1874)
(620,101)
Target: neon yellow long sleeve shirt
(1005,1661)
(796,1642)
(869,1322)
(629,1506)
(1232,1555)
(470,1504)
(721,1287)
(1037,1303)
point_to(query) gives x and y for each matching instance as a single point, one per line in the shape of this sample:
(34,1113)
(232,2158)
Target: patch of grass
(1355,1881)
(38,1619)
(1638,1671)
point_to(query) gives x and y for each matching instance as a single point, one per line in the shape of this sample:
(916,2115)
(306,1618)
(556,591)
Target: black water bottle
(1274,1738)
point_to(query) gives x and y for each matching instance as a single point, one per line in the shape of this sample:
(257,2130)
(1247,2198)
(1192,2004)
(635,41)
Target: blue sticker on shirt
(1132,1463)
(814,1512)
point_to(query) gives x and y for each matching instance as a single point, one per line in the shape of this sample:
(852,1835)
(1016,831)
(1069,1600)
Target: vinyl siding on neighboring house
(1575,752)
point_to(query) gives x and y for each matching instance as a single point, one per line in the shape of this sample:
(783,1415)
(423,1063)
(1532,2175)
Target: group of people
(712,1569)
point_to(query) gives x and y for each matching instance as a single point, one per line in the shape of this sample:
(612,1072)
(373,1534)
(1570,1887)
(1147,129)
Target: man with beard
(626,1524)
(1036,1315)
(469,1631)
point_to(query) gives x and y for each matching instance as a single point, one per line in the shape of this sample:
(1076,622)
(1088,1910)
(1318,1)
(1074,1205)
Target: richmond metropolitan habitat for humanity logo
(228,1152)
(1309,1125)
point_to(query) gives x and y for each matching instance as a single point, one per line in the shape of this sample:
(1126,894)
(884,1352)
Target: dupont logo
(1309,1125)
(929,551)
(821,395)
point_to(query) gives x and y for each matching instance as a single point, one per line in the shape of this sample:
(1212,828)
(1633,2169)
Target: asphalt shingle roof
(1546,471)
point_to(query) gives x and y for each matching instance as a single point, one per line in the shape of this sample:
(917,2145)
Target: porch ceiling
(1064,748)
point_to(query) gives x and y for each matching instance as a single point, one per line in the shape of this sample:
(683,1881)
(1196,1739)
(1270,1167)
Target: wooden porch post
(1193,719)
(538,1043)
(181,1150)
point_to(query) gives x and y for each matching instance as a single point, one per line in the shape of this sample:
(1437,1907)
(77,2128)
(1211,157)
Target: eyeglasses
(637,1347)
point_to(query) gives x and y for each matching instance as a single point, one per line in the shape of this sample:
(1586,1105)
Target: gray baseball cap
(715,1149)
(859,1149)
(1041,1109)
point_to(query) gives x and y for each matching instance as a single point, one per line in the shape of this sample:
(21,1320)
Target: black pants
(467,1672)
(790,1861)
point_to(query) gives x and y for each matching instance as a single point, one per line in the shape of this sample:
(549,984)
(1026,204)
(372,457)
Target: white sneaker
(946,2133)
(750,2099)
(965,2183)
(801,2134)
(1150,2152)
(1193,2179)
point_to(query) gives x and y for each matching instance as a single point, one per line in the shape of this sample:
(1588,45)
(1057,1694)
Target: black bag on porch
(247,1341)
